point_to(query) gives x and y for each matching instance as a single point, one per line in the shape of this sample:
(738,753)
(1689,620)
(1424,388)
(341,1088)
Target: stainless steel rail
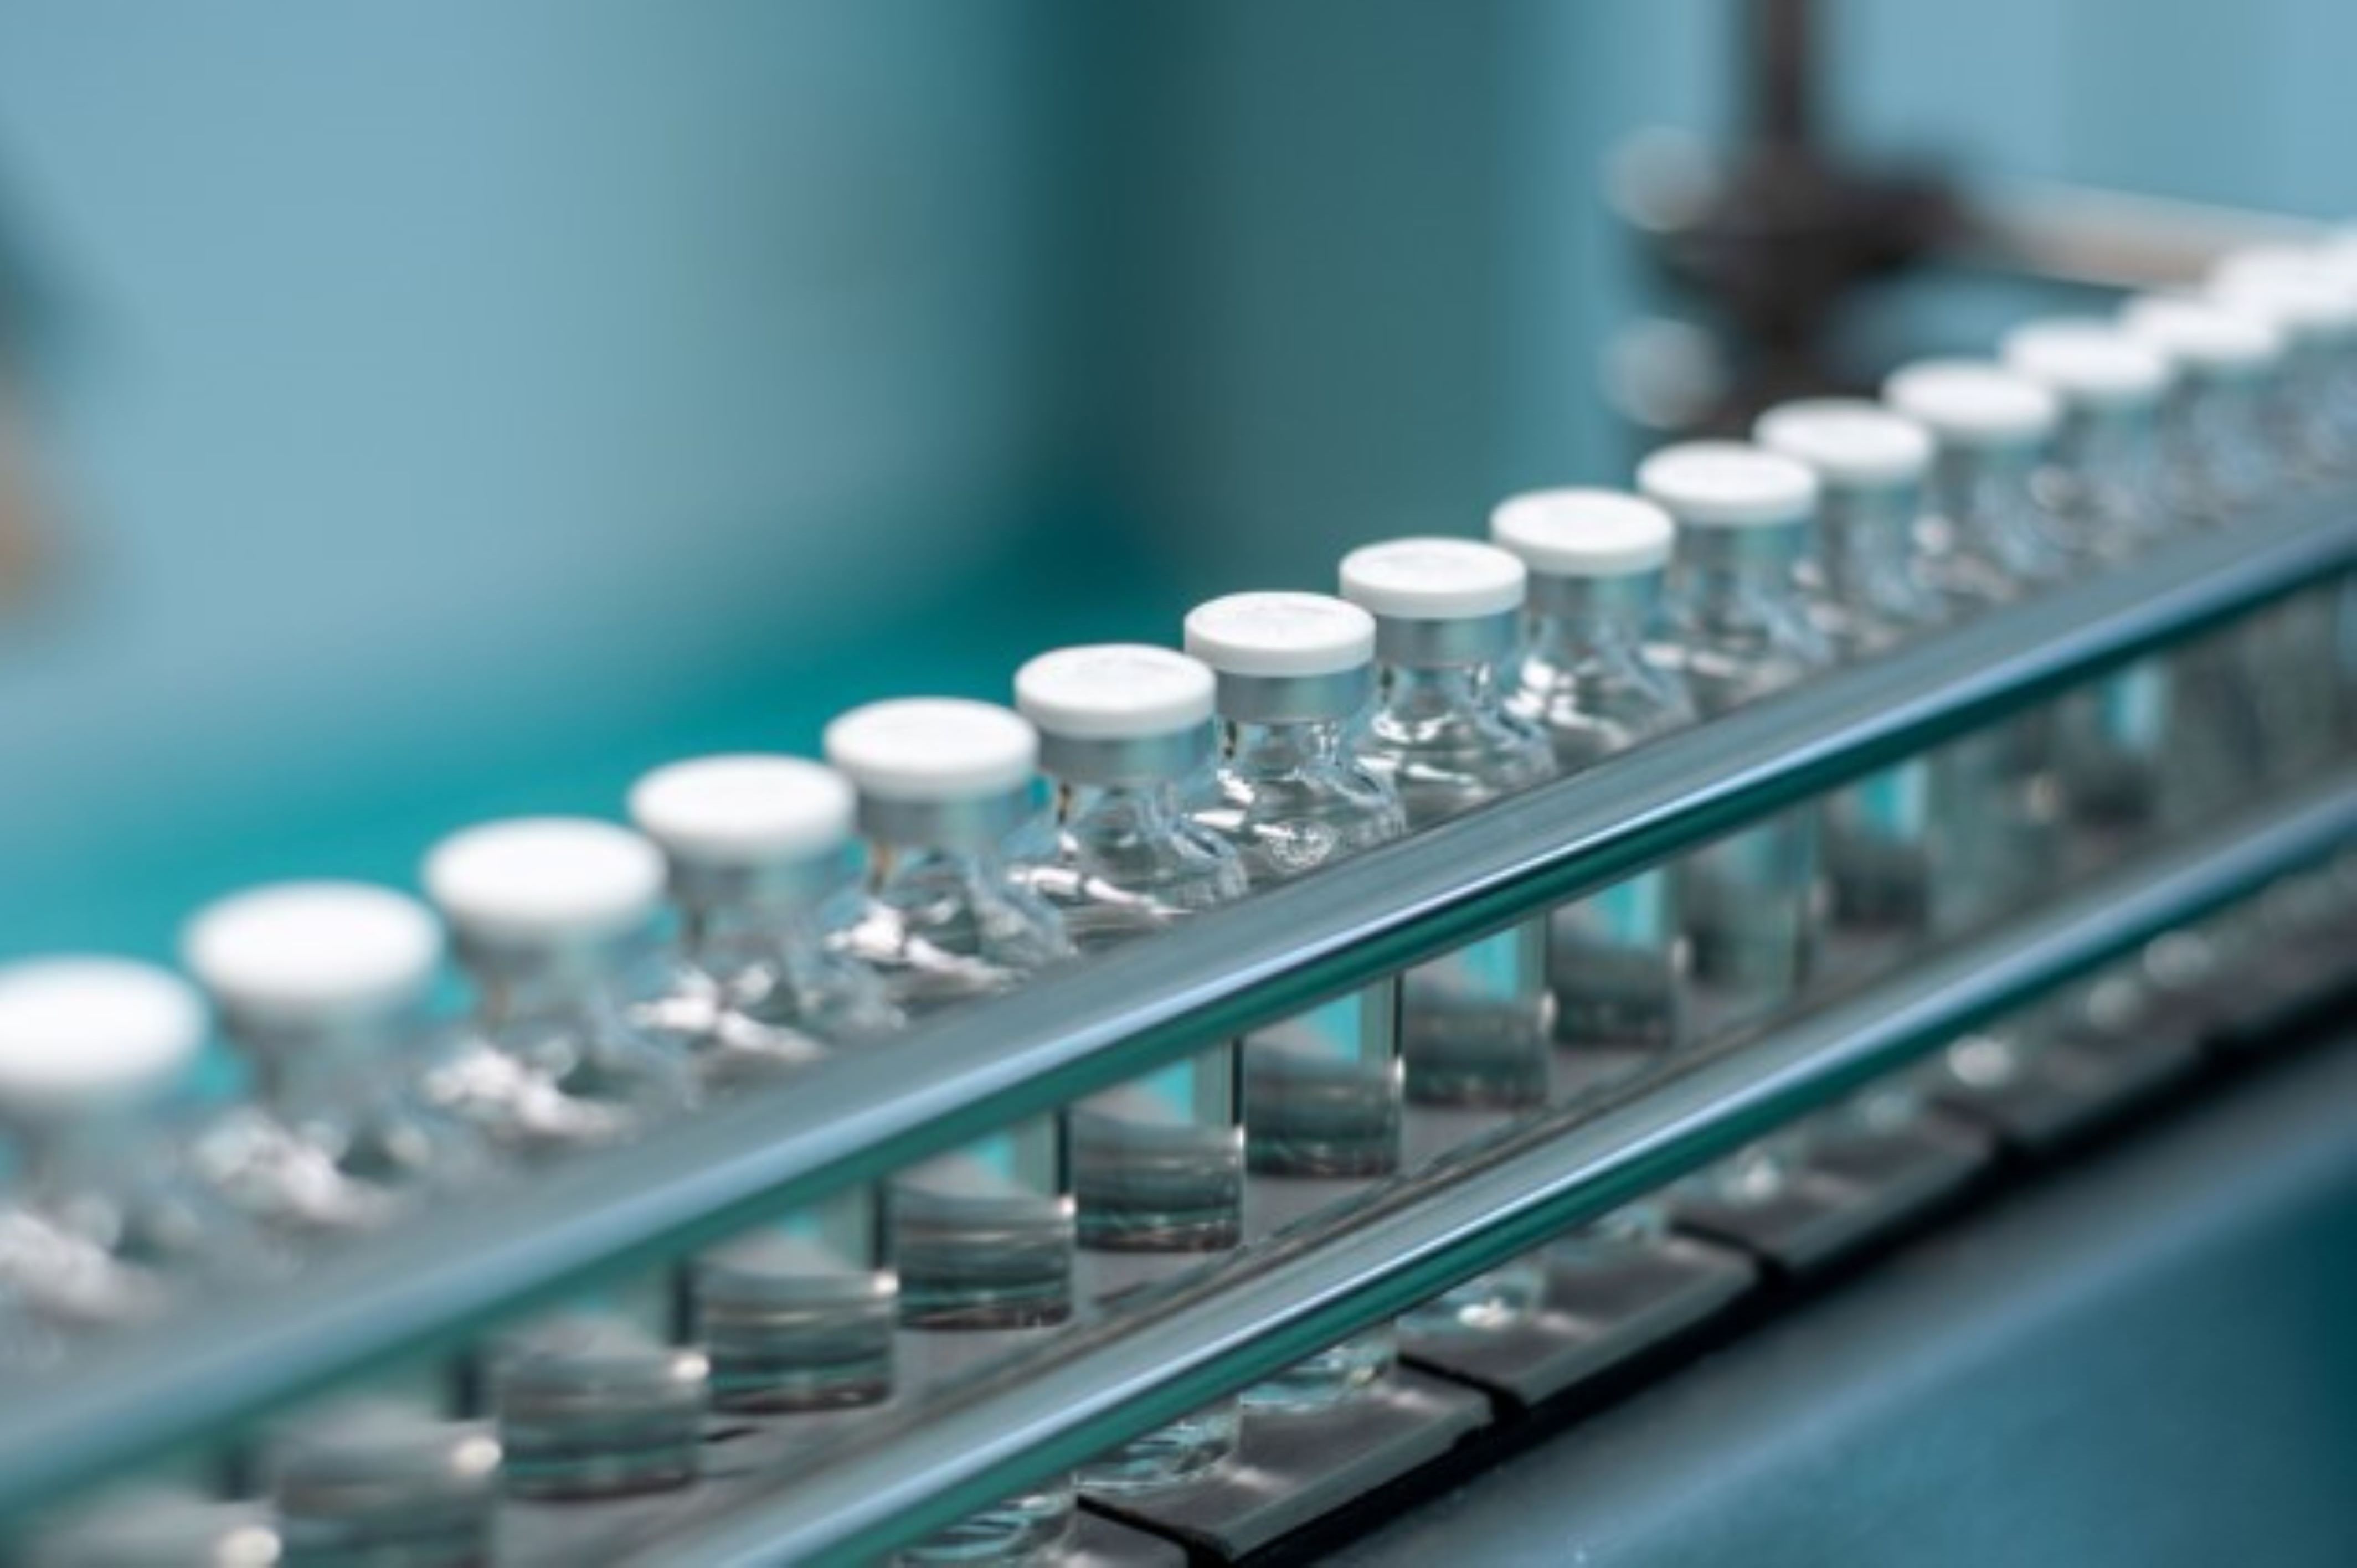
(1269,1307)
(855,1119)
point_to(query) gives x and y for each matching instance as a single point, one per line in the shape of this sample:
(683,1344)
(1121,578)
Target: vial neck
(2216,439)
(1267,748)
(977,869)
(319,1070)
(1732,568)
(60,1157)
(1589,620)
(1867,543)
(1415,693)
(718,935)
(1139,808)
(2107,461)
(514,981)
(1985,498)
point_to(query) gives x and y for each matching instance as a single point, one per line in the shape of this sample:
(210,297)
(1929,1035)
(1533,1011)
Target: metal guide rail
(432,1288)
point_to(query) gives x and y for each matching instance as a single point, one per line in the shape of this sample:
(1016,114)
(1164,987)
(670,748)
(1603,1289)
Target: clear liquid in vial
(799,1315)
(1322,1090)
(983,1236)
(595,1401)
(1618,966)
(1750,905)
(1157,1163)
(381,1479)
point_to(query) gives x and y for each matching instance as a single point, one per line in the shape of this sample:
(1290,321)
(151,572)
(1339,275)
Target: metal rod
(856,1118)
(1102,1384)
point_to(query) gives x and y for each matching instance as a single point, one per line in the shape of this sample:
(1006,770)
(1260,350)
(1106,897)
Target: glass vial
(1321,1091)
(1881,838)
(1988,544)
(1157,1163)
(1735,627)
(321,989)
(548,916)
(95,1225)
(982,1236)
(2103,482)
(1617,964)
(797,1315)
(1475,1026)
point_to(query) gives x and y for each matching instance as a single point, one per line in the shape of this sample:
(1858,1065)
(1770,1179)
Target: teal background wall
(454,408)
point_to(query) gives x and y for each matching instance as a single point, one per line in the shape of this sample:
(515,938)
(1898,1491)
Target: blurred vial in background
(321,989)
(2240,721)
(982,1236)
(2216,458)
(1987,540)
(1157,1163)
(553,919)
(97,1228)
(2311,301)
(154,1525)
(1988,545)
(1883,843)
(1616,966)
(758,849)
(1476,1026)
(2103,483)
(1737,629)
(1321,1091)
(798,1313)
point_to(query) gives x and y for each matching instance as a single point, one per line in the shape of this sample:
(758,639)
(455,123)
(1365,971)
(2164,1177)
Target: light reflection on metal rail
(1270,1305)
(856,1118)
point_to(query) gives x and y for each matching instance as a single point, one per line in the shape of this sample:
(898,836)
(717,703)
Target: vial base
(1472,1051)
(1336,1374)
(385,1488)
(1024,1529)
(591,1406)
(1311,1116)
(782,1360)
(1487,1304)
(1184,1451)
(1144,1188)
(981,1262)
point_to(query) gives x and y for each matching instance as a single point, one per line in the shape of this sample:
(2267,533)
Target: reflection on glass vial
(1750,906)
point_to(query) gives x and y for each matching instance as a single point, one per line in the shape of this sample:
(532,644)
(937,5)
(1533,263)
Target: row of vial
(1296,729)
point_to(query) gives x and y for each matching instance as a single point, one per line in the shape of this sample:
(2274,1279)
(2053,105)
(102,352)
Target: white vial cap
(1973,402)
(2088,362)
(1115,691)
(1848,440)
(1435,579)
(84,1034)
(307,949)
(1281,635)
(1729,484)
(546,879)
(1584,532)
(934,750)
(2297,290)
(746,810)
(2200,335)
